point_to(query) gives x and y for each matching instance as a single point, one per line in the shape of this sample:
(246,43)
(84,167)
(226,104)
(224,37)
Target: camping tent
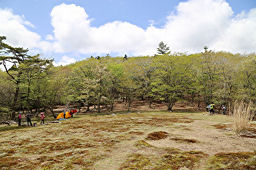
(61,115)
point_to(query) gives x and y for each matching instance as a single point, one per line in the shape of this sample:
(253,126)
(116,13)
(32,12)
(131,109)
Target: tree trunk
(150,103)
(51,109)
(98,104)
(170,105)
(15,101)
(88,107)
(112,106)
(129,103)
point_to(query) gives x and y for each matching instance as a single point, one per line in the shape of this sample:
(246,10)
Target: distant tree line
(33,84)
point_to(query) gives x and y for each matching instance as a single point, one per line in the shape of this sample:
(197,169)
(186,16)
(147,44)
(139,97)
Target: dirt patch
(185,140)
(157,135)
(239,160)
(222,126)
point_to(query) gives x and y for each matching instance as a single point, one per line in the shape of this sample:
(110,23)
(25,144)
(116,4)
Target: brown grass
(136,161)
(157,135)
(185,140)
(221,126)
(142,144)
(242,116)
(125,140)
(239,160)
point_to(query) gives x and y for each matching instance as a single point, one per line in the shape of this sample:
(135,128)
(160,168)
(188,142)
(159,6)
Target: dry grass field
(139,140)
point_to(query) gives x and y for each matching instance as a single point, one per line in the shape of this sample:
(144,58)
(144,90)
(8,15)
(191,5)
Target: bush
(4,114)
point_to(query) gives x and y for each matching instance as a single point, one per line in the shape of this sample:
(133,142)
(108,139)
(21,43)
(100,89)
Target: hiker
(28,120)
(42,116)
(71,113)
(211,108)
(224,109)
(19,119)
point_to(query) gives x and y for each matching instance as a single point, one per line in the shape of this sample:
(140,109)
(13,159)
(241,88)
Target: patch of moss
(239,160)
(142,144)
(175,159)
(136,161)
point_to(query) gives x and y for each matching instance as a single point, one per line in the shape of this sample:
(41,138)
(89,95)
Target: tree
(170,80)
(24,68)
(163,48)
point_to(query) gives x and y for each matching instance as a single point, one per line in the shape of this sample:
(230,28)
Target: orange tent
(61,115)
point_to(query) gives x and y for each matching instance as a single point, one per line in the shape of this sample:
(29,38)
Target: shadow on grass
(140,111)
(6,128)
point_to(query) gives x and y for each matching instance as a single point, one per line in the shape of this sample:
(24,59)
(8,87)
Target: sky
(72,30)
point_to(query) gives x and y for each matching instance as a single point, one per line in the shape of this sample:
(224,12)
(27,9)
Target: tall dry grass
(242,116)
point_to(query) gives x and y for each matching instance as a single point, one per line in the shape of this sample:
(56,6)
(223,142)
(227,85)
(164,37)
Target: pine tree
(163,48)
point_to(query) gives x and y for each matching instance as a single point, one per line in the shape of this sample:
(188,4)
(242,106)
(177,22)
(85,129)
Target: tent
(61,115)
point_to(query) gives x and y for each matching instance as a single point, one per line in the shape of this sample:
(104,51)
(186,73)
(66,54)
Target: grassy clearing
(149,140)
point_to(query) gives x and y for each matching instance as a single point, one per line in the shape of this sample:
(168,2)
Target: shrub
(242,116)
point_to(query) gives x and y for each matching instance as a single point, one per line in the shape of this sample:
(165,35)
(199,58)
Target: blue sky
(137,13)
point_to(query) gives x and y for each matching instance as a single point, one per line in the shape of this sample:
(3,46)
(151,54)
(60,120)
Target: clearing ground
(141,140)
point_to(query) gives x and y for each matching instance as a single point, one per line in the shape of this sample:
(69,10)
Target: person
(29,120)
(208,108)
(224,109)
(71,112)
(211,108)
(42,117)
(19,119)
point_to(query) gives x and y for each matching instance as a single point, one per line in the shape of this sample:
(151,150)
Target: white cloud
(65,60)
(14,27)
(194,24)
(49,37)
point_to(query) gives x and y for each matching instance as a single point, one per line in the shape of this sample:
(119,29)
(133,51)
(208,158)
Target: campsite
(127,85)
(138,139)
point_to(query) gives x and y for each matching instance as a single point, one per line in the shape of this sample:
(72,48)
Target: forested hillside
(30,83)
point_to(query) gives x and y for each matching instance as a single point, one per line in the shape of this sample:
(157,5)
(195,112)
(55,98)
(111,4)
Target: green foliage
(163,48)
(33,84)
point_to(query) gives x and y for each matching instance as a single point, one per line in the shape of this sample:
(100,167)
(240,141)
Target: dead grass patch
(185,140)
(157,135)
(177,159)
(242,116)
(170,158)
(7,162)
(239,160)
(221,126)
(142,144)
(249,133)
(136,161)
(165,121)
(136,133)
